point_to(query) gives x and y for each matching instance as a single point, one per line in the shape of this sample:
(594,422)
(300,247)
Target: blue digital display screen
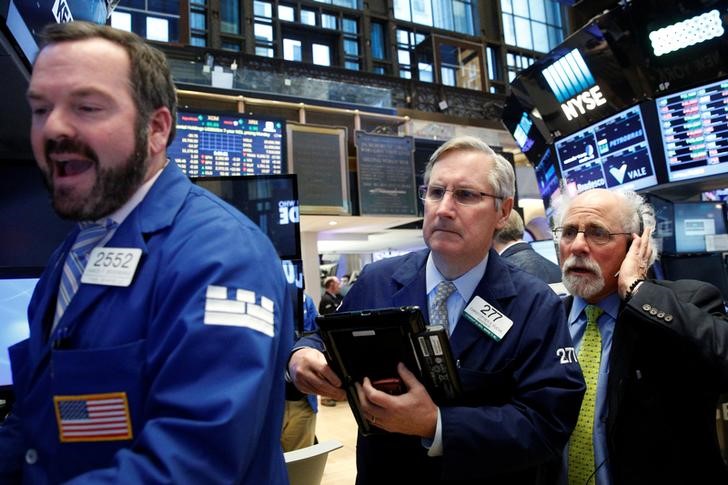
(614,152)
(15,295)
(222,145)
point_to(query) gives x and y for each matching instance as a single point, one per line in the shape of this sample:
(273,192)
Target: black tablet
(370,343)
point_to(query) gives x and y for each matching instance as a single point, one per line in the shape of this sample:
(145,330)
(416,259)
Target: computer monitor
(15,293)
(270,201)
(694,130)
(709,267)
(547,249)
(696,220)
(223,144)
(580,81)
(613,152)
(664,223)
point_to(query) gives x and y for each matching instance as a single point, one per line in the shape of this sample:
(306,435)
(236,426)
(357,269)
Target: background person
(659,351)
(520,398)
(509,243)
(331,299)
(175,375)
(299,418)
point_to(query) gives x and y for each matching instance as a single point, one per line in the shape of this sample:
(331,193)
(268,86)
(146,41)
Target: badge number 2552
(111,266)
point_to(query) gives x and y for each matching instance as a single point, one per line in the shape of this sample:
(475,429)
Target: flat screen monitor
(696,220)
(613,152)
(270,201)
(228,144)
(664,223)
(15,293)
(547,249)
(548,177)
(715,195)
(708,267)
(694,129)
(523,125)
(29,227)
(24,19)
(580,82)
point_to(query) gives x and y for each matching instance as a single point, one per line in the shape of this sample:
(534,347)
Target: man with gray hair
(521,394)
(654,353)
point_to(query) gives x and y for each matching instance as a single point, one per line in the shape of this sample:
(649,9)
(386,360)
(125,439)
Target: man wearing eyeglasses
(522,388)
(656,352)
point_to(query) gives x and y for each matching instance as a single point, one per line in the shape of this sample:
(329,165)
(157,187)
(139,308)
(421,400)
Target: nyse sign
(583,102)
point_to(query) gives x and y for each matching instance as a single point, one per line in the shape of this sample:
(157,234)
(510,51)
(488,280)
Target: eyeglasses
(596,234)
(435,193)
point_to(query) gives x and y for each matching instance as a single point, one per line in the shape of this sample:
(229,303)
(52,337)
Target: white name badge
(111,266)
(488,319)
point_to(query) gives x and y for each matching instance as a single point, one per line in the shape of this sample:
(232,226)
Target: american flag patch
(93,417)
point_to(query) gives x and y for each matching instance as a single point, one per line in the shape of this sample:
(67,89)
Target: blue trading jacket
(193,352)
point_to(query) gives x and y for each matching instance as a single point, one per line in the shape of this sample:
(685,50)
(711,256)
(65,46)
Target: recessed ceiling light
(332,223)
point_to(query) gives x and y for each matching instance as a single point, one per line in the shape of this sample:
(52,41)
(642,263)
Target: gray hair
(502,179)
(636,214)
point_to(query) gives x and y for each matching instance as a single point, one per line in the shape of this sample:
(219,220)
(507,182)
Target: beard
(113,185)
(585,285)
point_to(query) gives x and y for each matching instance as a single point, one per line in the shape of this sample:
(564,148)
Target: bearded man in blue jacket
(522,386)
(159,356)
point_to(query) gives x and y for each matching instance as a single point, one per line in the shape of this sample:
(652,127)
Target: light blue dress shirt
(464,288)
(577,326)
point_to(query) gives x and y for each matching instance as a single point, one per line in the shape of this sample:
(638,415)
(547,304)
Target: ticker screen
(694,127)
(614,152)
(222,145)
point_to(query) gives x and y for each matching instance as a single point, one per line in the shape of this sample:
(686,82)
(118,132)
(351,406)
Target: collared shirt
(464,287)
(577,327)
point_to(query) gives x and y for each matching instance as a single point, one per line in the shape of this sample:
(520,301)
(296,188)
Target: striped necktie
(438,311)
(581,446)
(88,238)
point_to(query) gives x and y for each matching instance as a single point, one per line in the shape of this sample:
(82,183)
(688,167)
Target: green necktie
(581,446)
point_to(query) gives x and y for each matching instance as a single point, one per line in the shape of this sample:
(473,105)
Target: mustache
(70,145)
(581,262)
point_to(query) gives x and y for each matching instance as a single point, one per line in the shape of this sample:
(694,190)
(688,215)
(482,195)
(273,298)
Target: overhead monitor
(228,144)
(664,223)
(24,19)
(613,152)
(694,129)
(580,82)
(715,195)
(697,224)
(548,177)
(270,201)
(523,123)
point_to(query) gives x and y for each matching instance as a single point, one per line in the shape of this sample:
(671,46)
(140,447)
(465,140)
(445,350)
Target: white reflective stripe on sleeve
(228,306)
(245,295)
(216,292)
